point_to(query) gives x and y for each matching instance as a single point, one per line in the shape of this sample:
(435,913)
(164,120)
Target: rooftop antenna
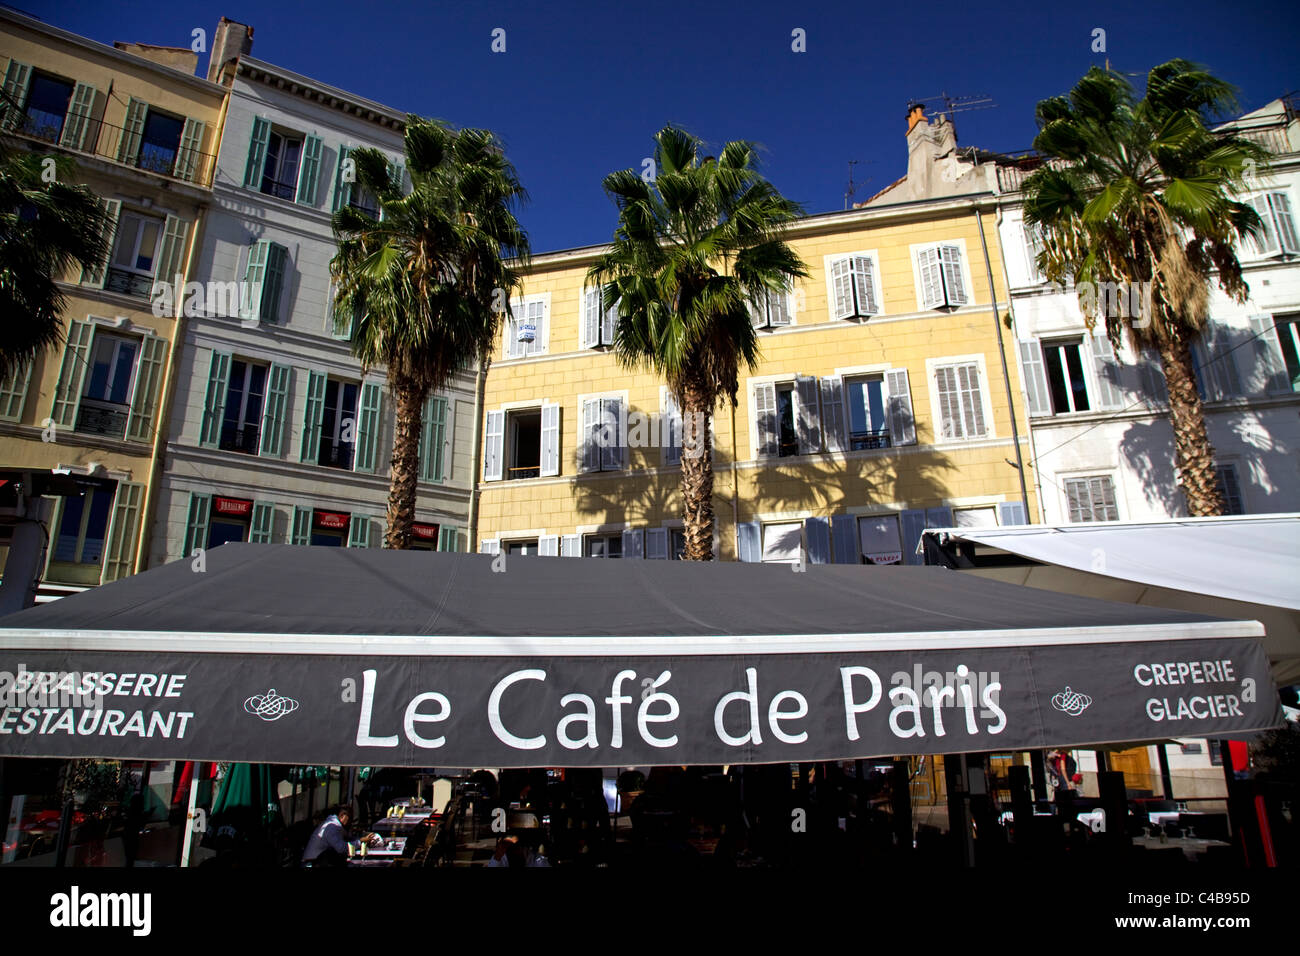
(957,103)
(852,186)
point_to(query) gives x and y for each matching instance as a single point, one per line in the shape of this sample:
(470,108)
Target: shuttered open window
(603,434)
(902,425)
(670,427)
(598,321)
(123,532)
(17,80)
(144,398)
(367,439)
(494,446)
(772,310)
(853,288)
(433,438)
(525,330)
(78,125)
(263,282)
(275,412)
(308,172)
(942,281)
(1277,232)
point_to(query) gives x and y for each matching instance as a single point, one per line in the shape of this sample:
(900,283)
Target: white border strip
(33,639)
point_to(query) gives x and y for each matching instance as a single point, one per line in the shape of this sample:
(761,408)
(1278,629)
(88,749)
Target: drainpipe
(476,464)
(735,488)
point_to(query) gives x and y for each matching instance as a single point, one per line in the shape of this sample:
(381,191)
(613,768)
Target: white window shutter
(749,542)
(808,424)
(1031,363)
(589,453)
(842,288)
(670,427)
(902,424)
(1285,222)
(972,401)
(779,309)
(494,446)
(1011,513)
(954,284)
(490,546)
(1268,376)
(511,326)
(541,341)
(833,412)
(757,313)
(548,545)
(550,439)
(767,426)
(608,323)
(656,544)
(931,279)
(613,454)
(570,546)
(945,381)
(864,286)
(633,543)
(1105,372)
(1265,239)
(589,329)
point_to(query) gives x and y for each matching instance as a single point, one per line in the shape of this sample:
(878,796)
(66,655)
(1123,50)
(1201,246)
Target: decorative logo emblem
(1067,702)
(271,706)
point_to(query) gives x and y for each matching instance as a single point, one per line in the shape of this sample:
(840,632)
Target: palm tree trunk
(1193,453)
(406,463)
(697,475)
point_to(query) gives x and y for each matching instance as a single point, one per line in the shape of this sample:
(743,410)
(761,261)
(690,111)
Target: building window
(241,426)
(339,424)
(604,430)
(1064,367)
(160,142)
(1033,249)
(1277,233)
(772,311)
(525,329)
(677,544)
(960,401)
(280,170)
(598,322)
(106,396)
(528,546)
(975,517)
(78,548)
(603,545)
(1230,488)
(525,443)
(135,255)
(783,542)
(788,438)
(940,272)
(47,106)
(1091,499)
(1288,337)
(853,287)
(879,540)
(867,412)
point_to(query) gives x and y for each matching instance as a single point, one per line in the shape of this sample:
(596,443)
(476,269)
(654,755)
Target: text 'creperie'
(1192,706)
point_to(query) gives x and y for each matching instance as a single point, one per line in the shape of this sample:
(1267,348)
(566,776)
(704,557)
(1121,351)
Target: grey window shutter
(123,533)
(550,439)
(1012,513)
(1155,392)
(494,446)
(938,517)
(656,544)
(1223,370)
(613,426)
(844,534)
(196,524)
(189,159)
(275,411)
(548,545)
(77,124)
(902,425)
(570,546)
(833,412)
(589,454)
(72,373)
(954,285)
(128,144)
(300,533)
(634,543)
(864,286)
(263,522)
(809,418)
(749,541)
(931,279)
(1031,362)
(778,309)
(912,523)
(767,426)
(1106,372)
(1287,236)
(817,534)
(171,254)
(17,81)
(1268,372)
(670,427)
(148,379)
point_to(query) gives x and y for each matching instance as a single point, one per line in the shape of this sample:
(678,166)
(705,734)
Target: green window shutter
(433,438)
(196,523)
(313,415)
(18,77)
(397,172)
(171,256)
(214,402)
(76,124)
(189,160)
(96,276)
(308,171)
(342,188)
(148,376)
(273,283)
(72,374)
(263,522)
(273,415)
(448,539)
(123,532)
(128,145)
(250,299)
(261,135)
(359,531)
(367,427)
(13,394)
(301,533)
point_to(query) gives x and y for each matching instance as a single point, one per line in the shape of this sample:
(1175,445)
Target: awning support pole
(192,803)
(1038,761)
(1166,778)
(954,771)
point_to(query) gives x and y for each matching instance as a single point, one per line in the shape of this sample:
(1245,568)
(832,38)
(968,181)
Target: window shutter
(589,453)
(367,428)
(548,545)
(589,331)
(359,531)
(494,446)
(124,533)
(817,534)
(902,425)
(275,411)
(940,517)
(196,523)
(757,313)
(99,273)
(397,173)
(613,456)
(1033,249)
(608,323)
(749,541)
(670,427)
(490,546)
(144,399)
(72,374)
(656,544)
(808,423)
(342,188)
(953,284)
(864,286)
(844,535)
(13,393)
(1031,364)
(778,309)
(189,159)
(833,412)
(767,427)
(257,140)
(171,255)
(250,302)
(513,347)
(842,289)
(128,145)
(1217,373)
(1268,377)
(214,403)
(550,440)
(1011,513)
(912,524)
(76,124)
(277,256)
(537,311)
(448,538)
(570,546)
(308,171)
(1106,372)
(931,279)
(313,416)
(1155,392)
(263,522)
(431,442)
(18,77)
(1285,222)
(301,532)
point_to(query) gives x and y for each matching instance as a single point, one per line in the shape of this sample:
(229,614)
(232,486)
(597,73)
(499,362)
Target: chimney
(915,114)
(231,40)
(180,58)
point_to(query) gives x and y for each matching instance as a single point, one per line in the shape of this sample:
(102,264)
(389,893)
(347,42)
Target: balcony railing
(129,283)
(335,454)
(240,439)
(526,471)
(102,418)
(860,441)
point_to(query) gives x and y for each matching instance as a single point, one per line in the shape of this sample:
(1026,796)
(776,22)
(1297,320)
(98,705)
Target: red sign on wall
(237,507)
(331,520)
(427,532)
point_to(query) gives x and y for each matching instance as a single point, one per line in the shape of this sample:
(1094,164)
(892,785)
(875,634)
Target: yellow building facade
(879,406)
(142,134)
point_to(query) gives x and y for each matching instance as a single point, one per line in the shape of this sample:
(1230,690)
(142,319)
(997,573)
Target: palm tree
(1139,191)
(47,225)
(692,249)
(428,278)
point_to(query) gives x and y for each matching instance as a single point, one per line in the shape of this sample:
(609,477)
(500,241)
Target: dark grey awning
(350,656)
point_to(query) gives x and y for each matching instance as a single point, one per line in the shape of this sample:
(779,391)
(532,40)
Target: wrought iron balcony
(858,441)
(129,283)
(102,418)
(335,454)
(240,439)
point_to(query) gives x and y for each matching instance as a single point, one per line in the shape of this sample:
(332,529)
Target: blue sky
(582,87)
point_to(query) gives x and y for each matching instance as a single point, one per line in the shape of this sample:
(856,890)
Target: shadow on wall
(829,486)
